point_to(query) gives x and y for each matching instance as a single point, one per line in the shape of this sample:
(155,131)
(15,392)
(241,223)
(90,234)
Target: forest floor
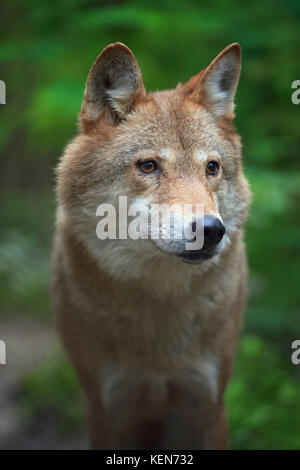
(23,354)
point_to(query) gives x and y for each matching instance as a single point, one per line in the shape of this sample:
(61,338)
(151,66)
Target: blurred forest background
(46,50)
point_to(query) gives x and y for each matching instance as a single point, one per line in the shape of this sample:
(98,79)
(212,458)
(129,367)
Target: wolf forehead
(173,126)
(181,134)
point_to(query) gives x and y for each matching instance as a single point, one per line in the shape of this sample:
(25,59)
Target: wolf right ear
(216,85)
(113,87)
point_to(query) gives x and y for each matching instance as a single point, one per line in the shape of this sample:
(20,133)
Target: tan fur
(151,337)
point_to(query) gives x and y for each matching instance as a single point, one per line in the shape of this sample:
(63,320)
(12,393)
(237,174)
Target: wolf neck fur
(164,278)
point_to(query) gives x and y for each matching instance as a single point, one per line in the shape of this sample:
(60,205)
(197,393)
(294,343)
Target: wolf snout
(213,232)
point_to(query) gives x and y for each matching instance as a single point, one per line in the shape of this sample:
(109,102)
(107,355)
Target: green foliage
(263,398)
(24,274)
(52,390)
(25,239)
(273,242)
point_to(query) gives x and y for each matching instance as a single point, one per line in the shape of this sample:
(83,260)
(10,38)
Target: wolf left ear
(113,87)
(216,85)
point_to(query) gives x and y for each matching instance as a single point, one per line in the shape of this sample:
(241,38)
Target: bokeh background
(46,50)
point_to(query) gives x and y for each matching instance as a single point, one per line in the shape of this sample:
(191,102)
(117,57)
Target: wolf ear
(113,86)
(217,83)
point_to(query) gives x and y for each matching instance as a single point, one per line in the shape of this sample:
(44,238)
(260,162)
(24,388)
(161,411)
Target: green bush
(263,398)
(52,390)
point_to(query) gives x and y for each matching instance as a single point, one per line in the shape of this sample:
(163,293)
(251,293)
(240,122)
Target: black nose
(213,231)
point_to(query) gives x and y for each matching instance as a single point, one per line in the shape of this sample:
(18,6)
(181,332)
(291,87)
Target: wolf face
(172,147)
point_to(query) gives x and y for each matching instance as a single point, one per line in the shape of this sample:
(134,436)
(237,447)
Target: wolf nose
(213,231)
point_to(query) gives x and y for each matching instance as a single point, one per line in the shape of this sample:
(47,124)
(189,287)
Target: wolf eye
(212,168)
(148,166)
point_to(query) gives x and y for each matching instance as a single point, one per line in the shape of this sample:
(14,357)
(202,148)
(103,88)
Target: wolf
(149,326)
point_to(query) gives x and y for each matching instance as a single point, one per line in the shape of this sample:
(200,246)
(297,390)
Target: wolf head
(176,147)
